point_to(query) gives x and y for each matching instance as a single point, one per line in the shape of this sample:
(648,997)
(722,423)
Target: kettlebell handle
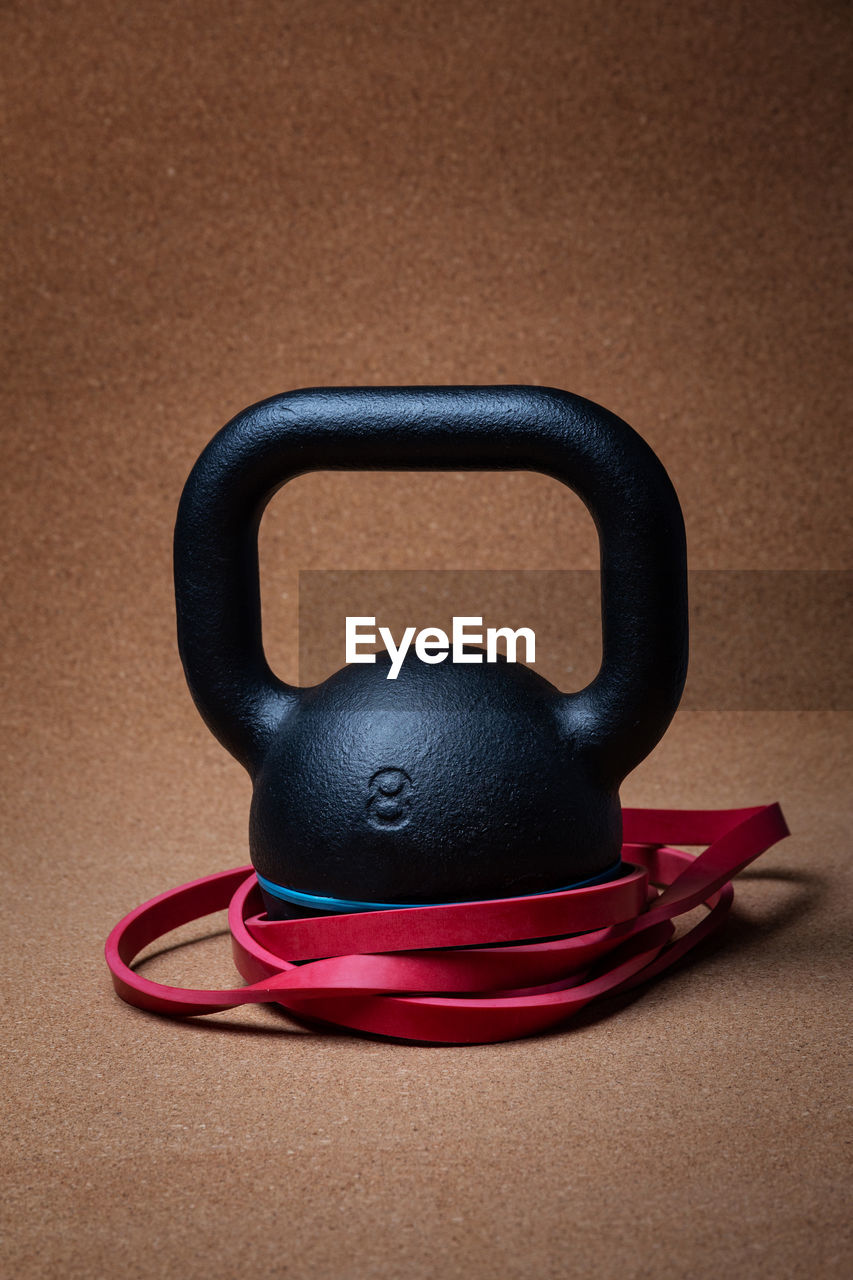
(617,719)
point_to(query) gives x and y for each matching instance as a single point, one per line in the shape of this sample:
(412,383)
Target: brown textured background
(208,203)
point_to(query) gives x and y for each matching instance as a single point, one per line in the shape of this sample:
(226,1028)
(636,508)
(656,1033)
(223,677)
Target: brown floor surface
(210,203)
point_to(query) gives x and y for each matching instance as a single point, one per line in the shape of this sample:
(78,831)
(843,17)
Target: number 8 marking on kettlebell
(389,799)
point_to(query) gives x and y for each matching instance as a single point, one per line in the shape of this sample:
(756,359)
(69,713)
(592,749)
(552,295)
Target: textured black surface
(452,781)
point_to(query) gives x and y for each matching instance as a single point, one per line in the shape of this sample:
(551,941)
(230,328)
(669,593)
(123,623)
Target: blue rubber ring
(343,906)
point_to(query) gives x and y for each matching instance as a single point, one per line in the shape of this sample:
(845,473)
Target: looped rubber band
(464,973)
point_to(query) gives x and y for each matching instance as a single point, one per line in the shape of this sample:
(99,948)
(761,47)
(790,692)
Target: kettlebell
(455,782)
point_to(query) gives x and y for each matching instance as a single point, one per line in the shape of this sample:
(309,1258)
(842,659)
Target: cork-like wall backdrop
(207,203)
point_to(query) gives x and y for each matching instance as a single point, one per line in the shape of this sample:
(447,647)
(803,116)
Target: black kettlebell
(453,782)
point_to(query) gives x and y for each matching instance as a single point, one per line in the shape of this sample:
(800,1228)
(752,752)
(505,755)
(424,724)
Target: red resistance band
(524,964)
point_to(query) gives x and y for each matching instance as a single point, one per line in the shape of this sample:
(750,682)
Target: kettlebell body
(455,781)
(452,782)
